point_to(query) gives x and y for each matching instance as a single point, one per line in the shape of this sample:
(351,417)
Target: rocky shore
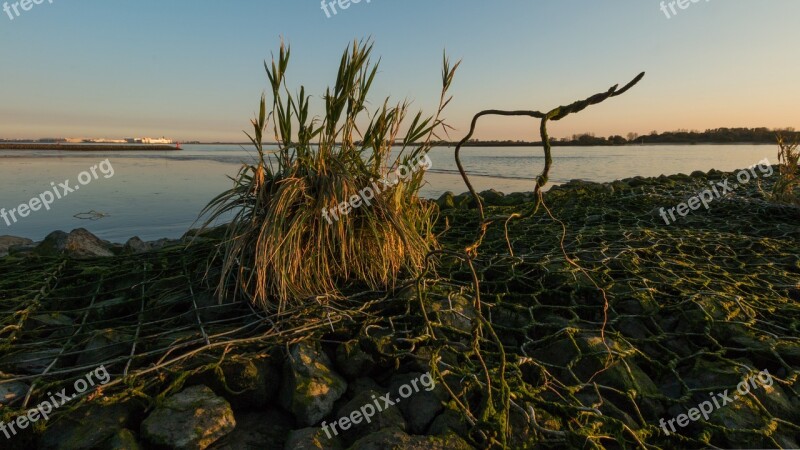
(670,316)
(78,243)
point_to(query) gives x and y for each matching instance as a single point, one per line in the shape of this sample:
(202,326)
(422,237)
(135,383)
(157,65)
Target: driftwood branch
(555,114)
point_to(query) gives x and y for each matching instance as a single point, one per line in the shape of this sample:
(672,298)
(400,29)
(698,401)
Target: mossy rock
(191,420)
(312,439)
(389,418)
(446,201)
(246,381)
(90,426)
(310,387)
(123,440)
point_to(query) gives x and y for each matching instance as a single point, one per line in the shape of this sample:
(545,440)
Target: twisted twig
(555,114)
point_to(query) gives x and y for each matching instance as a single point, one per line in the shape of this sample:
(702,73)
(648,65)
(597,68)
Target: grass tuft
(280,249)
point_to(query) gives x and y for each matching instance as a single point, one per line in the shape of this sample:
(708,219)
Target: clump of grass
(279,248)
(788,172)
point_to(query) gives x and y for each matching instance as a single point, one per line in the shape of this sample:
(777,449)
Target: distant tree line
(710,136)
(719,136)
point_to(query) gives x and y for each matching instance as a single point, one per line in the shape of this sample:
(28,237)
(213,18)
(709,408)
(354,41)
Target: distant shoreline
(87,147)
(156,147)
(524,144)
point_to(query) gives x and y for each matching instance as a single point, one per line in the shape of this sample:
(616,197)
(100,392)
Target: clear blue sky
(192,69)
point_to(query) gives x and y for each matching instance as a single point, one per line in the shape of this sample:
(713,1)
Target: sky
(193,69)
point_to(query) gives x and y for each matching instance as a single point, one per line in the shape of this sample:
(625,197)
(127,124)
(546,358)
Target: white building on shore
(147,140)
(161,140)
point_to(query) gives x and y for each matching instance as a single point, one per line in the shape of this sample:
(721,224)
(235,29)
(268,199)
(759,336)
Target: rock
(310,387)
(32,363)
(447,357)
(510,318)
(607,408)
(776,400)
(706,372)
(523,434)
(518,198)
(115,307)
(192,419)
(464,201)
(759,400)
(311,439)
(446,201)
(258,431)
(634,327)
(789,351)
(10,392)
(584,355)
(449,421)
(103,346)
(88,427)
(78,244)
(249,382)
(393,439)
(680,177)
(589,186)
(698,174)
(636,181)
(618,186)
(361,406)
(6,242)
(135,246)
(630,378)
(455,311)
(51,325)
(424,403)
(362,384)
(746,414)
(380,343)
(492,197)
(162,243)
(123,440)
(352,361)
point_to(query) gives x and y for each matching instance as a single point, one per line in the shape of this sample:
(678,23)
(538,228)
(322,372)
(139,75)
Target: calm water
(159,194)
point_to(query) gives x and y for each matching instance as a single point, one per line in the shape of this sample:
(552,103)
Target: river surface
(157,195)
